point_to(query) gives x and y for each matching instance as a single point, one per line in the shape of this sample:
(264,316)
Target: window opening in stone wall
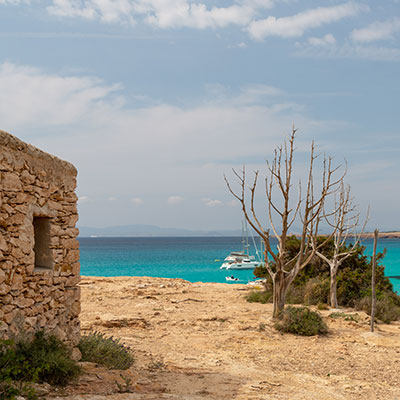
(43,253)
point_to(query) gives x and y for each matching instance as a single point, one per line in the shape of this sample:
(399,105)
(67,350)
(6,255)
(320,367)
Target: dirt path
(205,341)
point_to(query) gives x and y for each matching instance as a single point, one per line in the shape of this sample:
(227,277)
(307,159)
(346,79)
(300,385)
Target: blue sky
(154,100)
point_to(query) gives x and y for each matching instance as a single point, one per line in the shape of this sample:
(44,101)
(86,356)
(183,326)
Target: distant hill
(149,230)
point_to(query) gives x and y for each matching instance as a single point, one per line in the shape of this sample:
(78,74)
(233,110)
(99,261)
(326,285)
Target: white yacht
(241,259)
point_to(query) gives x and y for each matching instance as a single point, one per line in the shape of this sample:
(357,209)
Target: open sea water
(195,259)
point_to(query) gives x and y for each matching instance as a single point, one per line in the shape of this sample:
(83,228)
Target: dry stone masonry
(39,251)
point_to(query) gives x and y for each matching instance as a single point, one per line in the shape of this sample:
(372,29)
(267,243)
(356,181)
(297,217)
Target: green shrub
(39,359)
(387,307)
(311,285)
(316,291)
(10,390)
(106,351)
(301,321)
(258,296)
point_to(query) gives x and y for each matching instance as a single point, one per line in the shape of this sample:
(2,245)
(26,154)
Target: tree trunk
(373,300)
(333,289)
(280,288)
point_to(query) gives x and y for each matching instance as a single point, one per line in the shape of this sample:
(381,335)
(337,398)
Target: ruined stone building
(39,251)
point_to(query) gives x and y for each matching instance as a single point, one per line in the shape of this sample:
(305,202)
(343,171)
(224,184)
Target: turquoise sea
(191,258)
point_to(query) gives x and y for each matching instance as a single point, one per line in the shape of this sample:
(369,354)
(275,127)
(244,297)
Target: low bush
(387,307)
(10,390)
(43,358)
(316,291)
(301,321)
(106,351)
(258,296)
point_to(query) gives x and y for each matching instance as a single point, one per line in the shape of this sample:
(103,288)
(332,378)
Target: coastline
(383,235)
(205,341)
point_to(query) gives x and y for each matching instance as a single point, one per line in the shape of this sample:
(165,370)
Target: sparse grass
(156,365)
(261,327)
(346,317)
(126,386)
(107,351)
(301,321)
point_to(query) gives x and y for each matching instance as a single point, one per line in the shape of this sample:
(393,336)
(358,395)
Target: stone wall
(37,186)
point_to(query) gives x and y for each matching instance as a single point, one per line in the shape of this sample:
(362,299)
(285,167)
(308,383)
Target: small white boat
(231,279)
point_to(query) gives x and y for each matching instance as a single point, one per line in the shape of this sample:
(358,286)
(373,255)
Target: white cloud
(174,200)
(112,198)
(326,40)
(211,202)
(155,150)
(297,25)
(377,31)
(64,99)
(160,13)
(181,13)
(108,11)
(166,14)
(14,2)
(137,201)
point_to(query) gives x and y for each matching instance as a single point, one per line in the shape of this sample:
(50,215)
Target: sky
(155,100)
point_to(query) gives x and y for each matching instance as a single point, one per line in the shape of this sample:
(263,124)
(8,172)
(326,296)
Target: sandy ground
(205,341)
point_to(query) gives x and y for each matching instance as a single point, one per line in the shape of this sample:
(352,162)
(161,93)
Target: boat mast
(245,238)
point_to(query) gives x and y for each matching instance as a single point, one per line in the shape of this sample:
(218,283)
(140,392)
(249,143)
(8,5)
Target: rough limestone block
(10,182)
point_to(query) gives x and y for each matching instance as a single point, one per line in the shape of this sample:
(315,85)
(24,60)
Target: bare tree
(344,220)
(308,211)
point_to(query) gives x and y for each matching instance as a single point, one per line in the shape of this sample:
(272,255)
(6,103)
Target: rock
(31,321)
(10,182)
(23,301)
(2,276)
(4,289)
(3,243)
(76,354)
(17,282)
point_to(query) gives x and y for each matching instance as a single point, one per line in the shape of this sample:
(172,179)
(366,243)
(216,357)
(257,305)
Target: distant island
(139,230)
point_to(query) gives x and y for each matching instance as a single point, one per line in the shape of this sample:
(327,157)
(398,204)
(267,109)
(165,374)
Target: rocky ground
(205,341)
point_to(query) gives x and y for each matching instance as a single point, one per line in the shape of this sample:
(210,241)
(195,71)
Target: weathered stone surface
(16,219)
(10,182)
(33,292)
(23,302)
(3,243)
(73,280)
(27,178)
(17,282)
(31,321)
(4,289)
